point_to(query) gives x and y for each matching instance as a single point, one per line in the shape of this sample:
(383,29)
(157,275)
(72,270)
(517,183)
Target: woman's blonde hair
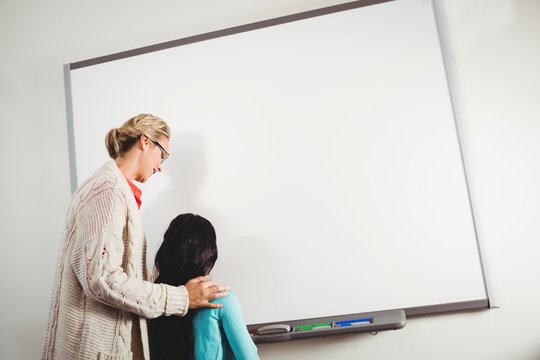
(119,140)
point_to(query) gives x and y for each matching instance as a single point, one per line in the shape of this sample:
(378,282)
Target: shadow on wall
(176,190)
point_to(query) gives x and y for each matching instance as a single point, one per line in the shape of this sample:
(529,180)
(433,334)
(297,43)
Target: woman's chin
(142,180)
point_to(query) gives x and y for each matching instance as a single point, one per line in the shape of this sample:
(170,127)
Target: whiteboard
(323,149)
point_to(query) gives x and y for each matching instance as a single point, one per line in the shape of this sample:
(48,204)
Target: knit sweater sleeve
(99,255)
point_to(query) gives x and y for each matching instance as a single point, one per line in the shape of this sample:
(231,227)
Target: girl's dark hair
(188,250)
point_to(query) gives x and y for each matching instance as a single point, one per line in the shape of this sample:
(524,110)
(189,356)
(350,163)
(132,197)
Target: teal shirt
(221,334)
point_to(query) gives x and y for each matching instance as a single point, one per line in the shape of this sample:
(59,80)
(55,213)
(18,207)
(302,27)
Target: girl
(189,250)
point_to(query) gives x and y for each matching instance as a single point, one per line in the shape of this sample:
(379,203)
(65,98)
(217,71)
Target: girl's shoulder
(231,298)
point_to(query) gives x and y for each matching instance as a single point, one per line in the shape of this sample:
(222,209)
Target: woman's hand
(201,290)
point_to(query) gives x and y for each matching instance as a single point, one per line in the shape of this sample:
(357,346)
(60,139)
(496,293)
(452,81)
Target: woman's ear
(144,142)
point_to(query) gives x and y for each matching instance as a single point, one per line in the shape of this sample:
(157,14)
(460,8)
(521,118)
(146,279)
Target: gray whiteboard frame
(225,32)
(410,312)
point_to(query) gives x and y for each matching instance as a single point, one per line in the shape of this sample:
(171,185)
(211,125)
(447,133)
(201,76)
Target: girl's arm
(211,325)
(235,329)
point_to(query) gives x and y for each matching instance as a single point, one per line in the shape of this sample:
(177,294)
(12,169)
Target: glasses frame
(164,153)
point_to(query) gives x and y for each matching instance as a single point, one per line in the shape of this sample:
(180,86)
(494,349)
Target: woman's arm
(98,257)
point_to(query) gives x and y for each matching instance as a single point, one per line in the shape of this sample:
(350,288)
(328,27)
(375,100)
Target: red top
(136,192)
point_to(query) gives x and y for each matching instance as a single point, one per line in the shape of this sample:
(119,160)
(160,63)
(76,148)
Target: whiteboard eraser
(274,329)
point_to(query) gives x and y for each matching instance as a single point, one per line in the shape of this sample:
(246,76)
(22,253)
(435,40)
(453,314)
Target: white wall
(493,49)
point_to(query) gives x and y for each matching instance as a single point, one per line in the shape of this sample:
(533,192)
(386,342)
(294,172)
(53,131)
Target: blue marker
(355,322)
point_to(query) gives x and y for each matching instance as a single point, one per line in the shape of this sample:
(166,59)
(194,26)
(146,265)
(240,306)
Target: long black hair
(188,250)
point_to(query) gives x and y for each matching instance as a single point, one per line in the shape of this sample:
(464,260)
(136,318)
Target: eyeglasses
(164,153)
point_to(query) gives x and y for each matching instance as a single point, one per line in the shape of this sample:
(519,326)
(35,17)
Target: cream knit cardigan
(101,297)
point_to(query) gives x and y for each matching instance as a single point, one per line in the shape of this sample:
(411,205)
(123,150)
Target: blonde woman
(101,297)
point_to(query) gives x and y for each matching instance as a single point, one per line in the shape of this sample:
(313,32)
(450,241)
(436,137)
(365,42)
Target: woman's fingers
(202,289)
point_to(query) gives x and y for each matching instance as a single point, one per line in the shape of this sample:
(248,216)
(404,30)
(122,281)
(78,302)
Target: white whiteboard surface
(324,151)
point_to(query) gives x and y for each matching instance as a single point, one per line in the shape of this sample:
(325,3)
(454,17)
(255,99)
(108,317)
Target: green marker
(318,326)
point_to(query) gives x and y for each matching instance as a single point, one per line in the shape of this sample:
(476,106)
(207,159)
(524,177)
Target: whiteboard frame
(478,304)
